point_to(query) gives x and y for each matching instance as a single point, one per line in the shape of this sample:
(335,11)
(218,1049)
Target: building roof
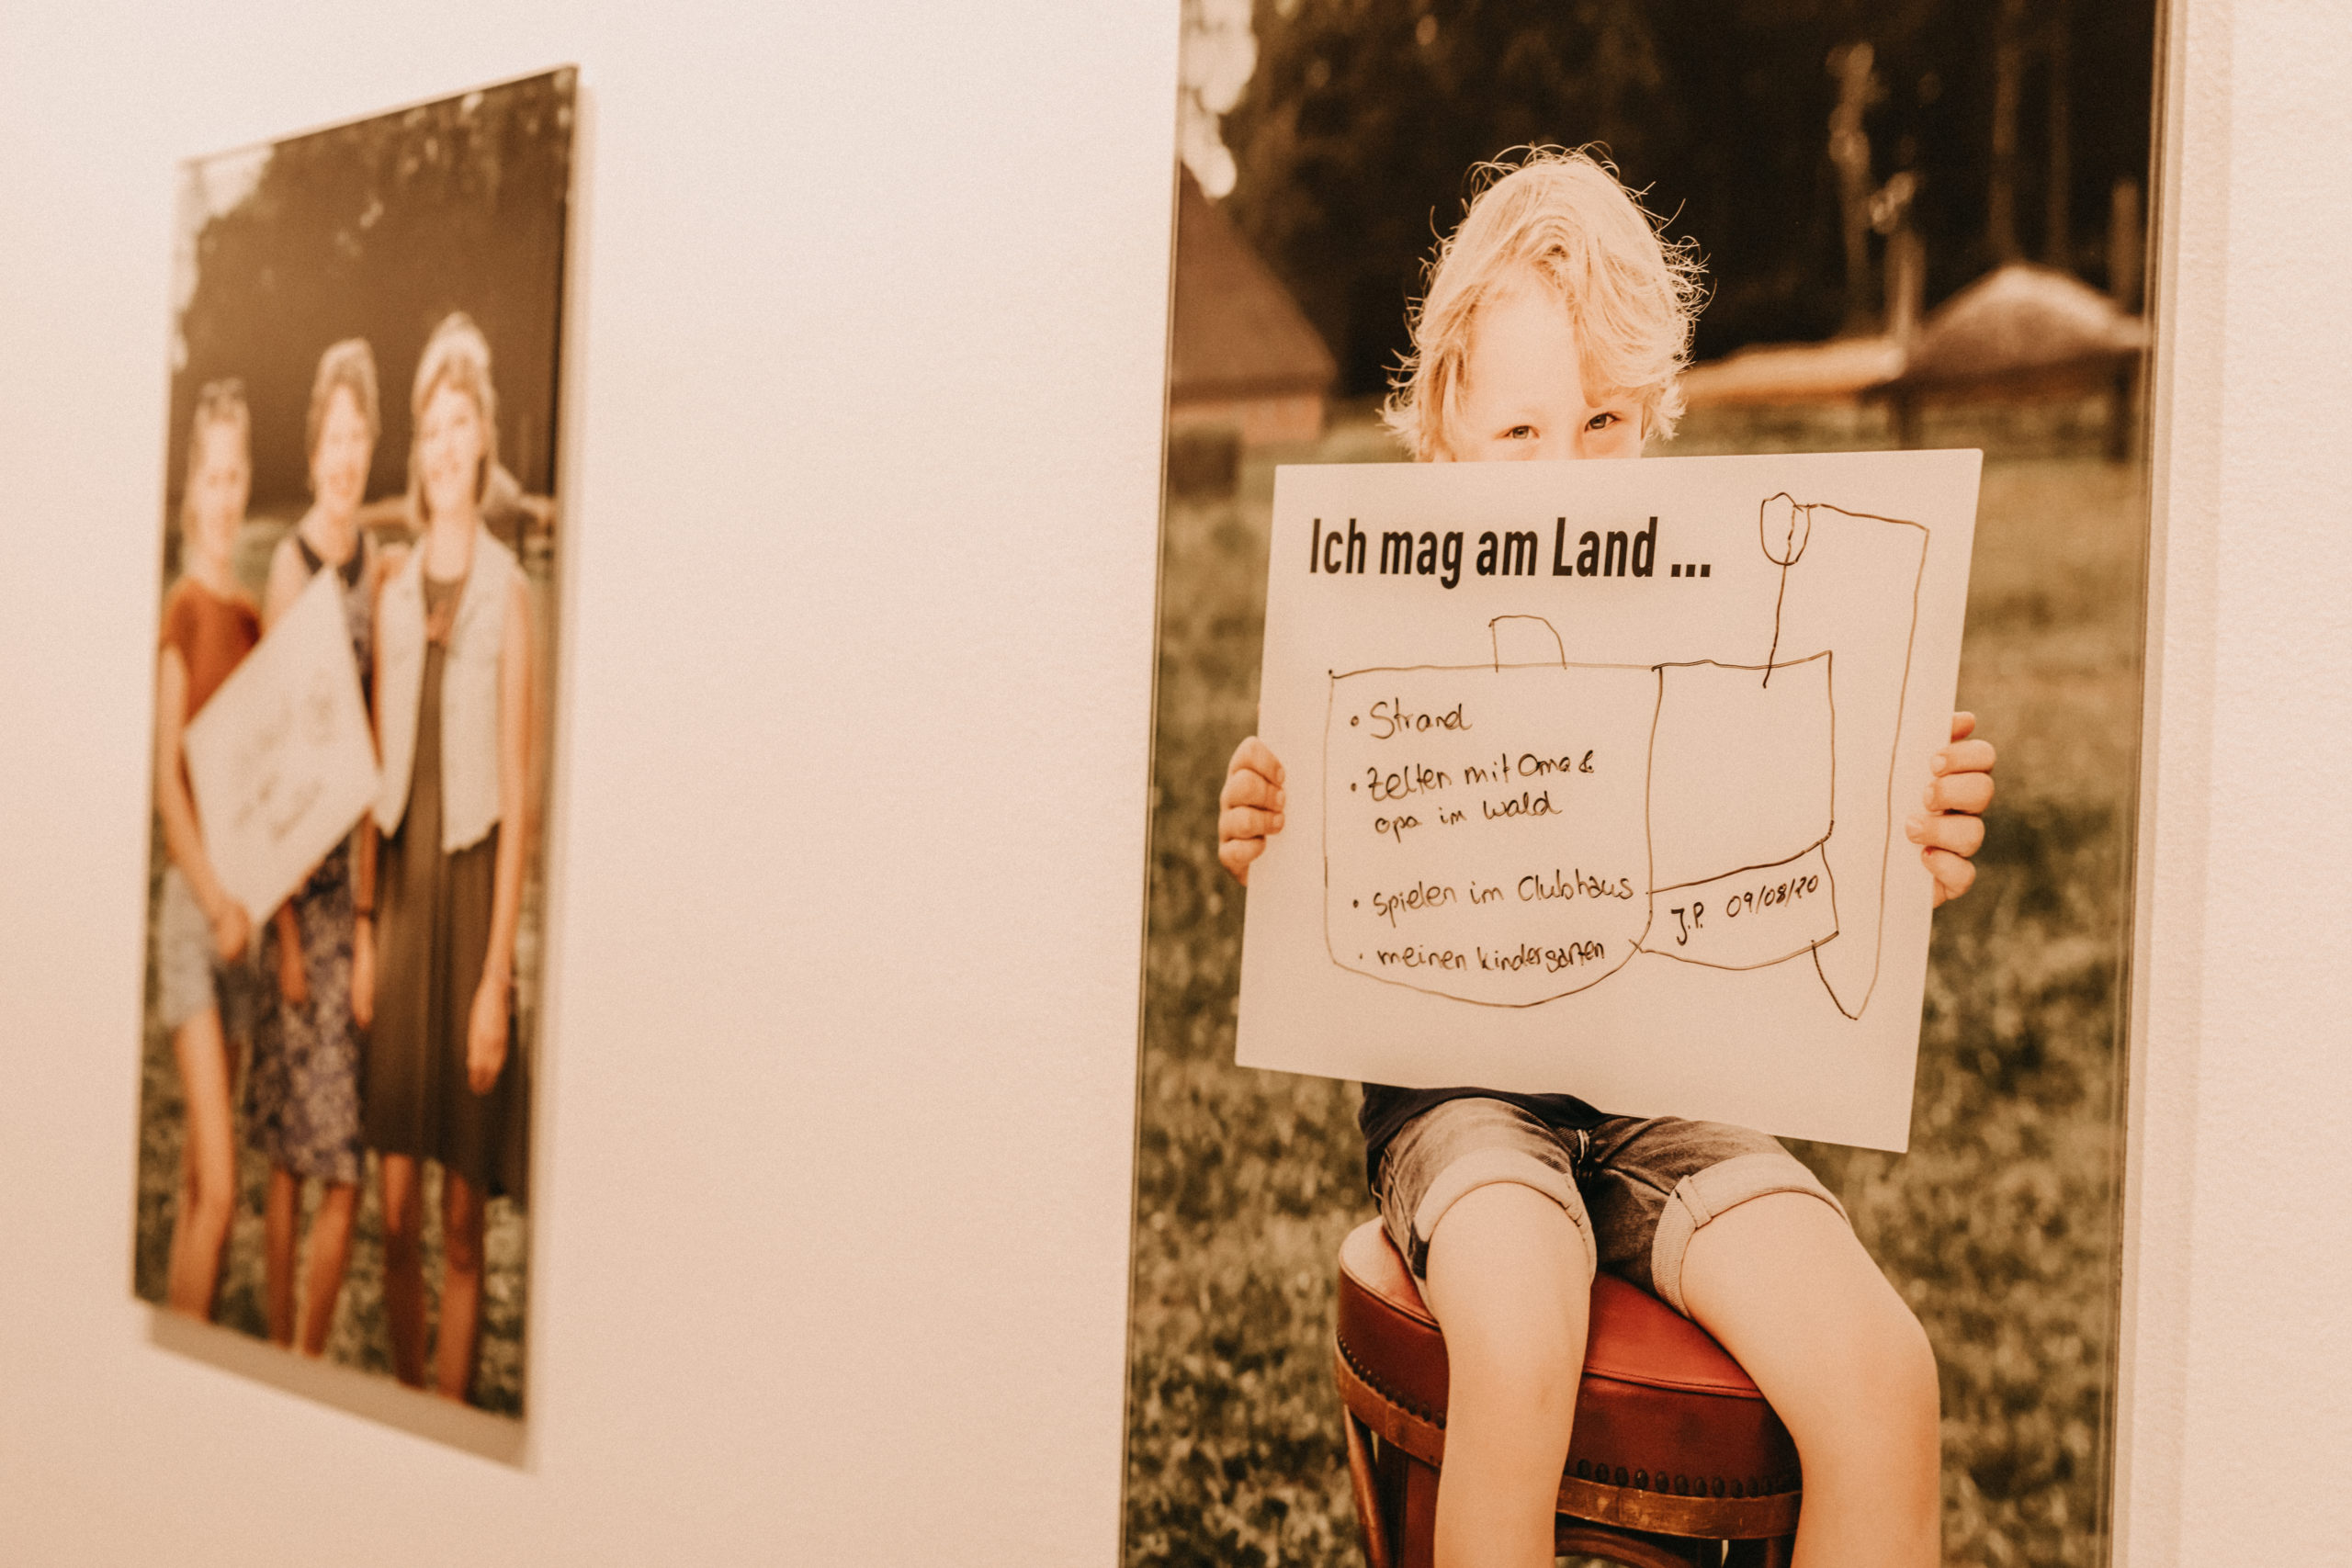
(1238,333)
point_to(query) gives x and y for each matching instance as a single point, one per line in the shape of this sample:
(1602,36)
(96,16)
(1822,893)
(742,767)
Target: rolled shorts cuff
(184,961)
(1488,1167)
(1703,1195)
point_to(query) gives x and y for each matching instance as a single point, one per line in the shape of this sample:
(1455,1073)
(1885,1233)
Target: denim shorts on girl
(1636,1189)
(189,975)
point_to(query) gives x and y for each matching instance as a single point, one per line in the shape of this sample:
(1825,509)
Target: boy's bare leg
(323,1264)
(404,1267)
(461,1238)
(1509,1282)
(1782,1282)
(209,1191)
(280,1212)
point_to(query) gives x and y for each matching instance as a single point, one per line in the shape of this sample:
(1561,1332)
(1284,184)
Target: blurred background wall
(831,1254)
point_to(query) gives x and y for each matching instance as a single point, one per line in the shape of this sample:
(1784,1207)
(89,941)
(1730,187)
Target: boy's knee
(1510,1281)
(1878,1373)
(1510,1221)
(1894,1361)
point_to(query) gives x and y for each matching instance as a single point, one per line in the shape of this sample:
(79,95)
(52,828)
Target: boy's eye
(1601,421)
(1519,432)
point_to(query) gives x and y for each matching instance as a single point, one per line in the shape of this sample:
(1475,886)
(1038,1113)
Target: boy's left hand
(1951,828)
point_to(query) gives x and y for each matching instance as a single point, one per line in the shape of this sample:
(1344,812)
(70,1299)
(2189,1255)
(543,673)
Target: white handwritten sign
(1596,774)
(280,758)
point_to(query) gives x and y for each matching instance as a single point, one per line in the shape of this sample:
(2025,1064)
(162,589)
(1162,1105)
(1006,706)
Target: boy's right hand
(1250,808)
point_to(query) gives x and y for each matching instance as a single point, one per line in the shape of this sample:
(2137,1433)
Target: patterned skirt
(303,1096)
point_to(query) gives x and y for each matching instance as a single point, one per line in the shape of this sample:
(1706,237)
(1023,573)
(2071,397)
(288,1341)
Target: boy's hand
(1952,829)
(1250,808)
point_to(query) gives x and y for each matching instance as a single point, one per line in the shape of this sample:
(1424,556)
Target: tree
(1354,135)
(377,230)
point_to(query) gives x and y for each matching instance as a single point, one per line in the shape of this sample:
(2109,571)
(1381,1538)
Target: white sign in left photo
(281,761)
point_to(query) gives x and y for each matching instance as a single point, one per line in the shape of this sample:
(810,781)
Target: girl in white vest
(453,694)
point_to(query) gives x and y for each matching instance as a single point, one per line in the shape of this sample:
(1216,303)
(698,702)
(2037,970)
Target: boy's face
(217,488)
(1523,395)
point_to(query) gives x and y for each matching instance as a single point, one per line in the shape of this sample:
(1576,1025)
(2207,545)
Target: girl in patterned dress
(303,1096)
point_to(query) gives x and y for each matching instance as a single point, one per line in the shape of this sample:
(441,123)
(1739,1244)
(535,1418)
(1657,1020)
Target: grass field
(359,1338)
(1999,1226)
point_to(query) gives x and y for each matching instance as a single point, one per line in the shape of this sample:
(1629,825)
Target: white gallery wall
(848,846)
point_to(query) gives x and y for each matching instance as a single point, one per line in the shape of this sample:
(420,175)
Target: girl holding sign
(302,1095)
(1555,326)
(453,697)
(202,931)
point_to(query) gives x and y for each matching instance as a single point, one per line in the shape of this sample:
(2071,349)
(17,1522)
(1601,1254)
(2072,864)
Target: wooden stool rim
(1663,1513)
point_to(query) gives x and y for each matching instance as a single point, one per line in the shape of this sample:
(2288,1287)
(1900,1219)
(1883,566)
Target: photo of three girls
(375,1008)
(337,1063)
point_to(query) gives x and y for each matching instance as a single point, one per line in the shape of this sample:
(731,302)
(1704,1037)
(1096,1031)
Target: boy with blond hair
(1556,325)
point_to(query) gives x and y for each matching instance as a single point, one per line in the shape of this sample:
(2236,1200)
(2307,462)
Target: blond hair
(218,402)
(345,366)
(456,355)
(1563,218)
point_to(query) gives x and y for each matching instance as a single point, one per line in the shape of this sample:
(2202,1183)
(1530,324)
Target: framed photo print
(356,656)
(1494,1179)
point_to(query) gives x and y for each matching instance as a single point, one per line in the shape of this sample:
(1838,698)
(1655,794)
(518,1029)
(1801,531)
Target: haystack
(2020,330)
(2021,334)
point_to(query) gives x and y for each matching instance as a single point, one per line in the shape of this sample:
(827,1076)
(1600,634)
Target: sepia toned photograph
(1430,1322)
(356,658)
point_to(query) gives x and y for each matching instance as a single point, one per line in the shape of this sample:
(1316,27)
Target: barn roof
(1238,333)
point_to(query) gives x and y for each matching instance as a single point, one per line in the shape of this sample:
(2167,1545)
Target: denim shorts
(189,975)
(1637,1189)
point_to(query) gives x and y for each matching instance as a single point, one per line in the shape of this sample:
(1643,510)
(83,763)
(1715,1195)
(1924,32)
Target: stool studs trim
(1627,1506)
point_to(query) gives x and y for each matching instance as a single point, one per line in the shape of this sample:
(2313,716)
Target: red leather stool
(1676,1460)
